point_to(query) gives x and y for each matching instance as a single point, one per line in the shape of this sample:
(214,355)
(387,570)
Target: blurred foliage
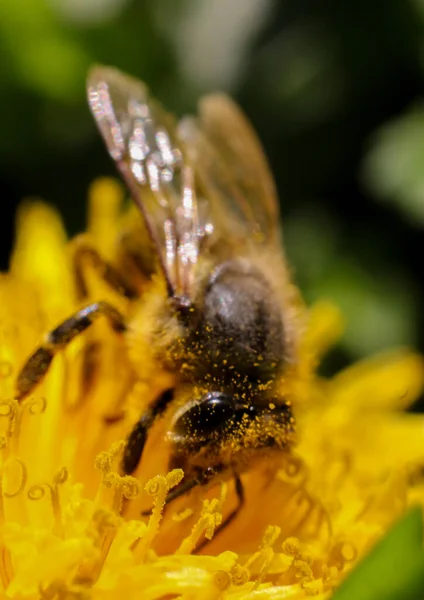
(394,568)
(334,89)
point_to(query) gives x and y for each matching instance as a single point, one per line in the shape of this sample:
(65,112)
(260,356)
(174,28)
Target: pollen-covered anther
(210,518)
(174,477)
(239,574)
(158,487)
(103,521)
(261,560)
(131,487)
(303,571)
(106,459)
(103,461)
(291,546)
(222,580)
(124,487)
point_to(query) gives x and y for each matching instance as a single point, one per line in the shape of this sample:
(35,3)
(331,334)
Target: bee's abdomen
(240,334)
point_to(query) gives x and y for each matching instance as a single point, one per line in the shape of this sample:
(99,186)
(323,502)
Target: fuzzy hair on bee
(212,303)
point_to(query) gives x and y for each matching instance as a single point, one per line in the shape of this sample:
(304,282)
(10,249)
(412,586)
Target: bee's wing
(164,166)
(142,139)
(233,171)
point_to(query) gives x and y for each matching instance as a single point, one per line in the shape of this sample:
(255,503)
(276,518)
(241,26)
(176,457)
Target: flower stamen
(158,487)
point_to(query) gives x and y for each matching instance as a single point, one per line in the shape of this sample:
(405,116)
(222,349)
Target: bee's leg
(39,362)
(83,255)
(230,517)
(138,436)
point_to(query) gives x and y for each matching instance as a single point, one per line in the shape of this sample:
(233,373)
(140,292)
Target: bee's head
(220,426)
(213,414)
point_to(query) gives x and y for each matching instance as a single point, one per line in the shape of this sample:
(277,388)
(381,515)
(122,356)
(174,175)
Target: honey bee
(224,327)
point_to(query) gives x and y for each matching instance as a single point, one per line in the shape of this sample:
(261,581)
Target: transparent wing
(202,180)
(231,166)
(142,139)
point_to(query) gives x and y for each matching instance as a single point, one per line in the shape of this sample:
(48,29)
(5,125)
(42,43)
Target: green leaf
(394,569)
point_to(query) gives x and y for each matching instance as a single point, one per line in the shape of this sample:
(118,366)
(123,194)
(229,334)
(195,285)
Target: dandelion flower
(70,524)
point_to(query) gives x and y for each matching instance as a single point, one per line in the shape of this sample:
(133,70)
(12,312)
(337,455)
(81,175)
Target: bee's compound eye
(215,412)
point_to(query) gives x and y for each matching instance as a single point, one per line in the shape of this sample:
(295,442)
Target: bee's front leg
(38,364)
(138,436)
(85,255)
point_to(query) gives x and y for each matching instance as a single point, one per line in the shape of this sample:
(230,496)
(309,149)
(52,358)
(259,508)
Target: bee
(223,324)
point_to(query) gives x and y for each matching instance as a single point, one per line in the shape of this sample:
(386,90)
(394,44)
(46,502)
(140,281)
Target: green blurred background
(335,90)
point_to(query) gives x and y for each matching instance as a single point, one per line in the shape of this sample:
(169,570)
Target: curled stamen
(23,479)
(222,580)
(239,574)
(155,485)
(104,462)
(105,459)
(131,487)
(291,546)
(158,487)
(9,409)
(61,476)
(125,487)
(34,405)
(303,571)
(293,470)
(111,480)
(174,477)
(38,491)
